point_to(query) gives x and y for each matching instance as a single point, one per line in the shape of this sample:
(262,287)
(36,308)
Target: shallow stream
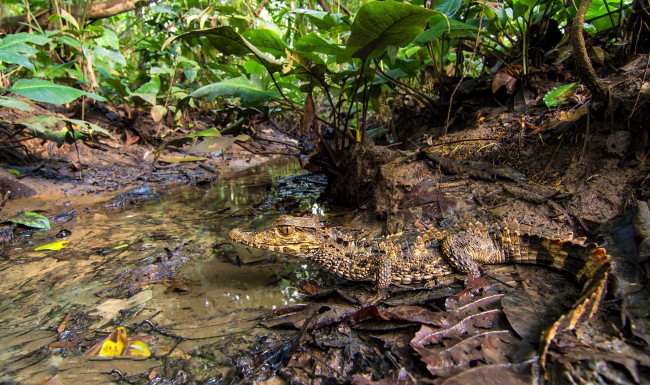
(146,258)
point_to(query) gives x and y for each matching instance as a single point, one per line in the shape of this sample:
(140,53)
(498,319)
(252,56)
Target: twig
(5,198)
(638,94)
(460,141)
(265,153)
(584,144)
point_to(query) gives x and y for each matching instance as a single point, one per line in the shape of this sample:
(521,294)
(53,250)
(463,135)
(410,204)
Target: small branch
(5,198)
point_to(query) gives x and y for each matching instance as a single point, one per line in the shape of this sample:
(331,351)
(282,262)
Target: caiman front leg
(383,277)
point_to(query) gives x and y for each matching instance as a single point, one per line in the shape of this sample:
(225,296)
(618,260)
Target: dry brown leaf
(309,113)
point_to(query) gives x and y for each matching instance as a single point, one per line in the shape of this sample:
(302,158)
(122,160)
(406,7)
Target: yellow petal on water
(109,349)
(115,344)
(53,246)
(137,348)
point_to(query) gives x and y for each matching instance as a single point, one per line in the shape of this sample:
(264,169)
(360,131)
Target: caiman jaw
(297,236)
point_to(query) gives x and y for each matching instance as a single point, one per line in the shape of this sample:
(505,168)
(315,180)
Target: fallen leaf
(63,323)
(137,348)
(32,219)
(177,159)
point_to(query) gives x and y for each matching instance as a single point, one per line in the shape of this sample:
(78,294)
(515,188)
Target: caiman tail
(588,264)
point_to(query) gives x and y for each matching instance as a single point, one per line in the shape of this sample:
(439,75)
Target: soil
(127,159)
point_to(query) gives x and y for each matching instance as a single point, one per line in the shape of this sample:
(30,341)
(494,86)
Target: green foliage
(175,55)
(48,92)
(382,24)
(559,94)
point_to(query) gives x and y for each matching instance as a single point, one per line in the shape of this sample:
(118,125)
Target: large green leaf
(48,92)
(383,23)
(229,42)
(441,25)
(43,127)
(249,93)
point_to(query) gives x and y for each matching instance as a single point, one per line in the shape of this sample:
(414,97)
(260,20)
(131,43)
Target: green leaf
(42,127)
(69,41)
(266,41)
(313,43)
(6,101)
(48,92)
(559,94)
(441,25)
(105,54)
(16,42)
(117,86)
(55,246)
(448,7)
(229,42)
(322,20)
(241,87)
(383,23)
(32,219)
(8,56)
(13,172)
(148,91)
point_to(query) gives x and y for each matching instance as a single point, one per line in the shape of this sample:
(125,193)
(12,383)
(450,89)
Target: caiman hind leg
(466,252)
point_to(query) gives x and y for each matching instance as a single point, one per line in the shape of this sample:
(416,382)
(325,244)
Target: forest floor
(586,174)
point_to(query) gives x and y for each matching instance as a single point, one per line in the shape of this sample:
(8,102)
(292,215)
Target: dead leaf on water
(176,159)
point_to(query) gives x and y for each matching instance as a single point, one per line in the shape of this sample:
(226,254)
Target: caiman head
(296,236)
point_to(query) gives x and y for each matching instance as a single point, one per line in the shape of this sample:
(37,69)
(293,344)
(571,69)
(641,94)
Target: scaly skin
(421,256)
(433,253)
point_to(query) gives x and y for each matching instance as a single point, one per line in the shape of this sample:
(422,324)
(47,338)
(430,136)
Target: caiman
(429,254)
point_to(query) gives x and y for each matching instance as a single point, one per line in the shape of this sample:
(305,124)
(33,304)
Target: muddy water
(151,258)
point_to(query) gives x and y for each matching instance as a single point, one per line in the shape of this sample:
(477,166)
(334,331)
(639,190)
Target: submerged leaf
(32,219)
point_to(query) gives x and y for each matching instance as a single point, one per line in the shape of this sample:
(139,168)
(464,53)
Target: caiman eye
(285,229)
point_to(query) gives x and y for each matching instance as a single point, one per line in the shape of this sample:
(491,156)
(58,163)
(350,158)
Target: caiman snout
(235,234)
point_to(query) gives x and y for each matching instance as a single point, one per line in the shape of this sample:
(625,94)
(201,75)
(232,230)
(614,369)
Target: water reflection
(168,261)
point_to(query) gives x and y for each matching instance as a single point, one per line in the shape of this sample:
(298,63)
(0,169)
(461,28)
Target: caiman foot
(377,298)
(473,285)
